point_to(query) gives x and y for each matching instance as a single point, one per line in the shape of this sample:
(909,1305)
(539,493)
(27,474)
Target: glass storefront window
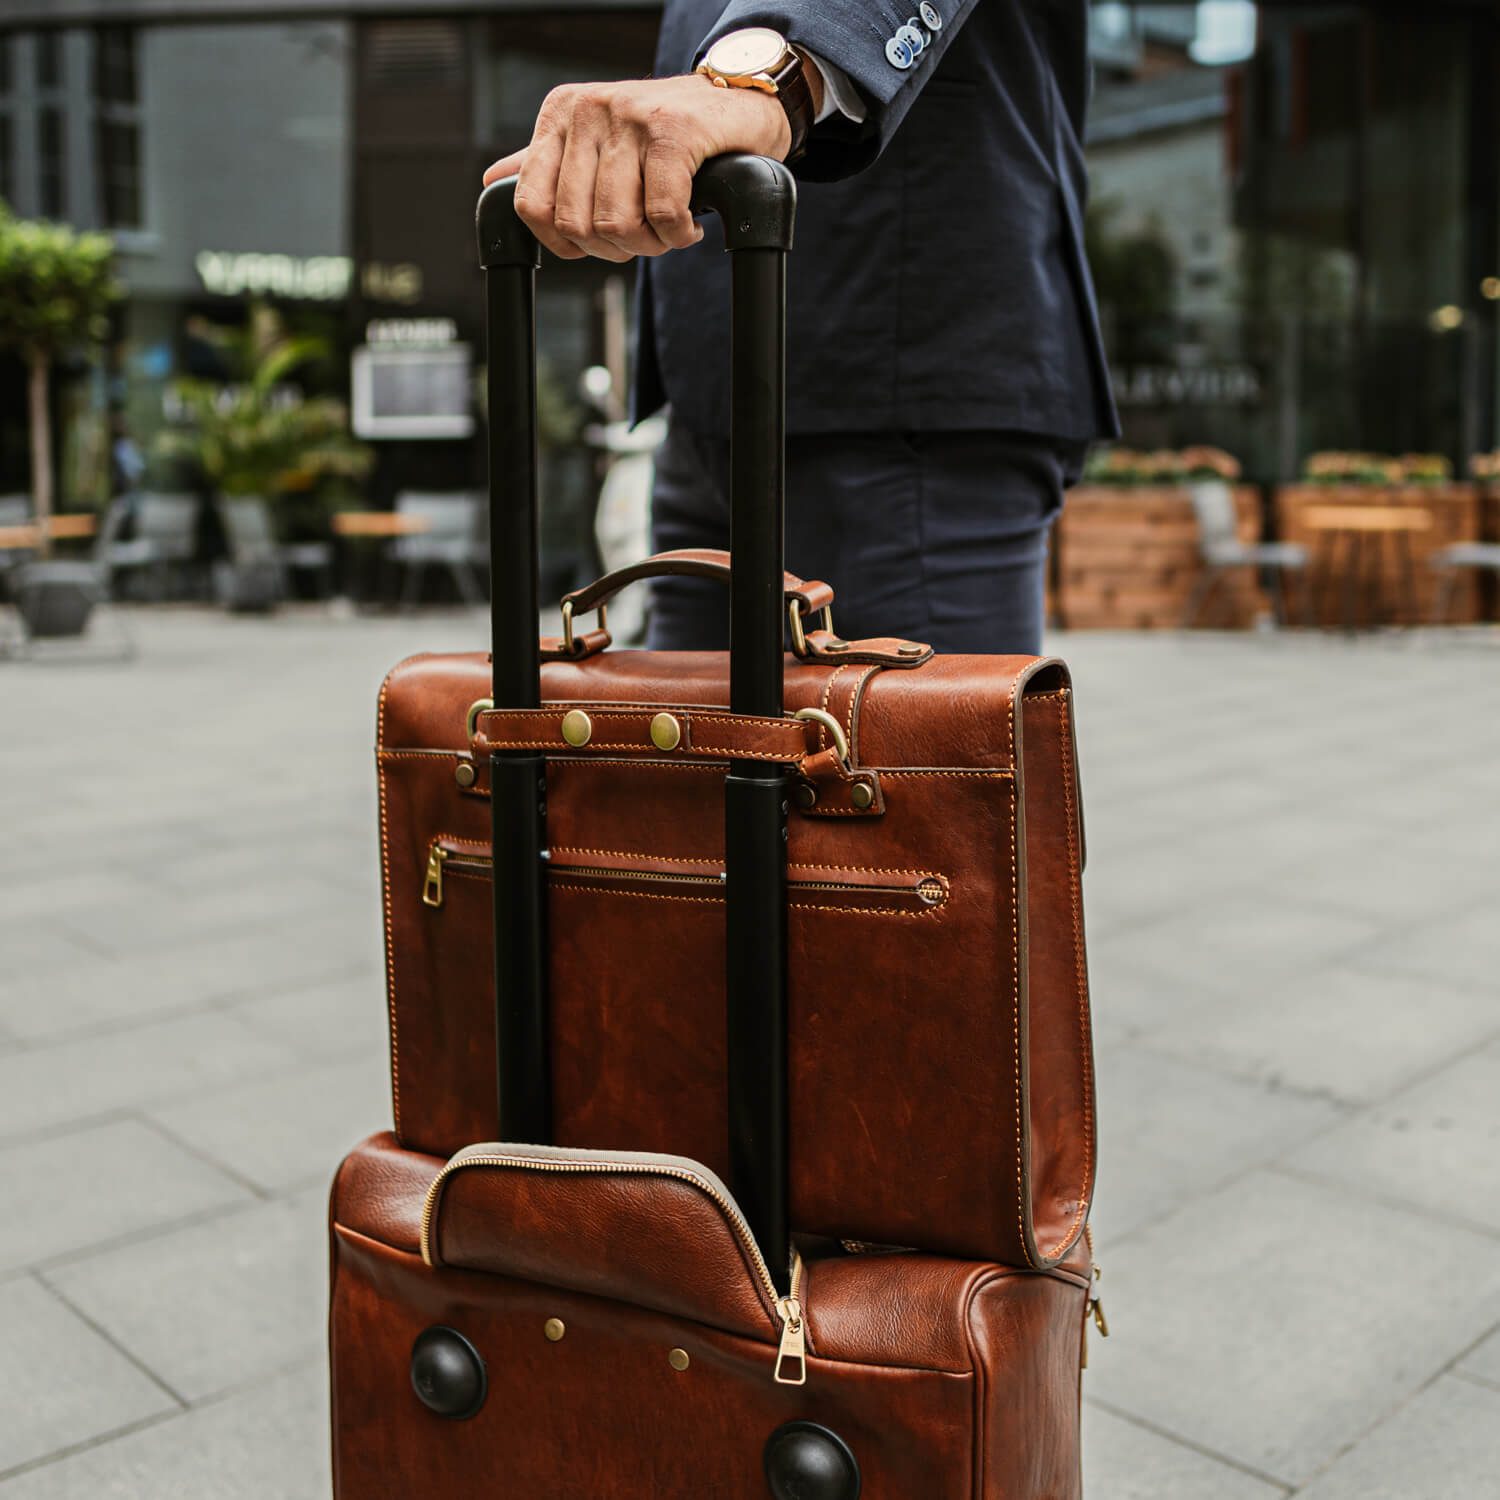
(1294,213)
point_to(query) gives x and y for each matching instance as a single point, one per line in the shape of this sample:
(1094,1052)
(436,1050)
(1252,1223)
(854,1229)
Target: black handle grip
(756,200)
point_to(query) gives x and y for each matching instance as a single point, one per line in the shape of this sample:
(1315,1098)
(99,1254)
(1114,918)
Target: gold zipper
(788,1308)
(929,891)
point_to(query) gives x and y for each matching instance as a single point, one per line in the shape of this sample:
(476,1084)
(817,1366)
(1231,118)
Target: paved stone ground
(1291,892)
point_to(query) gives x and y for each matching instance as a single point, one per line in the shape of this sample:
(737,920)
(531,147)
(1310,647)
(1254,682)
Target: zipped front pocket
(910,893)
(663,1238)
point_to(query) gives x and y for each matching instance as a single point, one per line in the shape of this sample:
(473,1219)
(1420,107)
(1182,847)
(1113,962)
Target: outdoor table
(1366,528)
(363,528)
(59,528)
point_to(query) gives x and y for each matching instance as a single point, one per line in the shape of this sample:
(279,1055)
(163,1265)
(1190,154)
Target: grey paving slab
(1463,949)
(1256,938)
(1436,1146)
(1445,1441)
(92,1186)
(60,1382)
(1124,1461)
(1484,1362)
(247,1293)
(340,1019)
(270,1441)
(1349,1034)
(1275,1321)
(48,1087)
(290,1129)
(29,949)
(1170,1131)
(106,993)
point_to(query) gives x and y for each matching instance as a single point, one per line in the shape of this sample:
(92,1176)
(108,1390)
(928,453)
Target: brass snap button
(862,795)
(465,774)
(666,732)
(577,728)
(678,1359)
(807,795)
(554,1328)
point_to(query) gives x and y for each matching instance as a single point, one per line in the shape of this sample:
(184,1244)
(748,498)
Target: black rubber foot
(804,1461)
(447,1373)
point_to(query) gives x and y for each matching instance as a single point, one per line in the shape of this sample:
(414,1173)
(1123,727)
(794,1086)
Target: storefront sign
(1187,385)
(424,333)
(311,278)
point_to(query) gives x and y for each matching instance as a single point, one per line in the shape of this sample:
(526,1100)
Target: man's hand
(609,170)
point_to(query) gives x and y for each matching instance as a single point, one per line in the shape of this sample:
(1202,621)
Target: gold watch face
(742,54)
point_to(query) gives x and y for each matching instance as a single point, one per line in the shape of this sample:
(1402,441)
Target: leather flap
(660,1232)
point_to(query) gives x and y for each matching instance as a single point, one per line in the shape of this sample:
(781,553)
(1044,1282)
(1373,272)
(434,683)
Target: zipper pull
(793,1351)
(1100,1321)
(432,886)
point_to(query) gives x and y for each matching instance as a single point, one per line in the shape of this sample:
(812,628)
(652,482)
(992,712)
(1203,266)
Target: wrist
(754,120)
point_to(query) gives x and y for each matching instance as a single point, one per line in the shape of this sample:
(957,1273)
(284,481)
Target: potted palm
(56,289)
(259,440)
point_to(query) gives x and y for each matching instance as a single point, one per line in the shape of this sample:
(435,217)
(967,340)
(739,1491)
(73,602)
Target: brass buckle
(832,725)
(477,707)
(567,613)
(799,637)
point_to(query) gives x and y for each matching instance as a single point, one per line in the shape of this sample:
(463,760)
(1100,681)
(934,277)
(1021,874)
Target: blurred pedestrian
(946,373)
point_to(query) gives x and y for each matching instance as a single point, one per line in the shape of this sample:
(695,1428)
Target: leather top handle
(692,562)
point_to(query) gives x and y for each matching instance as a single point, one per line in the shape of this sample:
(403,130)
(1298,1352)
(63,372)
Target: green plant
(56,289)
(258,435)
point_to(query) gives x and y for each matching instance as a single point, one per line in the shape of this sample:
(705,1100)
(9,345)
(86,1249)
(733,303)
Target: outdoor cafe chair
(1483,556)
(1221,549)
(453,539)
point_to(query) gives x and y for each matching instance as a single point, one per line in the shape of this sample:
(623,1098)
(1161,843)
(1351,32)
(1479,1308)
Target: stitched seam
(856,703)
(562,883)
(390,953)
(643,716)
(1015,928)
(828,694)
(1080,965)
(733,752)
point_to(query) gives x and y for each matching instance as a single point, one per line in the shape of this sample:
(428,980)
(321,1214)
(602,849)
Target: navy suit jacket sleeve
(853,35)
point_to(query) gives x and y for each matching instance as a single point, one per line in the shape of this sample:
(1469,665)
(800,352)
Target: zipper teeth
(731,1212)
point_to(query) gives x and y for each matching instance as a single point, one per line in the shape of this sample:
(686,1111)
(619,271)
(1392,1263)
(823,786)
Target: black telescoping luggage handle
(755,199)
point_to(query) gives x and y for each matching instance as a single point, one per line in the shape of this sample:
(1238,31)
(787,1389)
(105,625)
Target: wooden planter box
(1128,560)
(1453,513)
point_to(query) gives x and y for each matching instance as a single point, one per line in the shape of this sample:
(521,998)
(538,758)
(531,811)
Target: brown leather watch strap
(608,729)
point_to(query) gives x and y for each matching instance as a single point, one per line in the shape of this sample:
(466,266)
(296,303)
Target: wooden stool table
(1367,528)
(366,526)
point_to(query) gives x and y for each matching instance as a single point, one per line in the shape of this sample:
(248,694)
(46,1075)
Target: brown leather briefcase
(939,1044)
(586,1326)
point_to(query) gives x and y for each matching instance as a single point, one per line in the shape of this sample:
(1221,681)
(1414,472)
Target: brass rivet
(678,1359)
(836,646)
(577,728)
(908,650)
(931,891)
(554,1328)
(862,795)
(807,794)
(666,732)
(465,774)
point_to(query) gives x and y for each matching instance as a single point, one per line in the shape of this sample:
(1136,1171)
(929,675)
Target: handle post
(518,779)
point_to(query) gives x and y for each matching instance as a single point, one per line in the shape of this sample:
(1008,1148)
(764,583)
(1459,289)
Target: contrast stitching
(1015,928)
(390,952)
(733,752)
(561,883)
(1081,973)
(681,859)
(856,706)
(828,694)
(642,715)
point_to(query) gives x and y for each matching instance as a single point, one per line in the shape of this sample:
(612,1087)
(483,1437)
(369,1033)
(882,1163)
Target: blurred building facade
(1296,225)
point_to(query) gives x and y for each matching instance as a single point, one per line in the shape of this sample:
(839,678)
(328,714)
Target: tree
(56,289)
(258,435)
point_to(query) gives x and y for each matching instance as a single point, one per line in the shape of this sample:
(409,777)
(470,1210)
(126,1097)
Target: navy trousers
(931,536)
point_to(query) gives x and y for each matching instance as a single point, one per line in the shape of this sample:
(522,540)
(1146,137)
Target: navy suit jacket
(938,280)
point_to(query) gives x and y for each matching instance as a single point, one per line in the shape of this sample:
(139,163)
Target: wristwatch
(759,58)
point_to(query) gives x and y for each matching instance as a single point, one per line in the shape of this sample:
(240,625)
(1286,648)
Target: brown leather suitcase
(580,1319)
(609,1336)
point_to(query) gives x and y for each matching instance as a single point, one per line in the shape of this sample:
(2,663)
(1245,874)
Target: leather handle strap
(609,729)
(692,562)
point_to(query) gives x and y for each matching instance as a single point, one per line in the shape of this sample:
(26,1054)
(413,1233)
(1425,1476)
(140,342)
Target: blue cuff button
(898,54)
(912,36)
(931,17)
